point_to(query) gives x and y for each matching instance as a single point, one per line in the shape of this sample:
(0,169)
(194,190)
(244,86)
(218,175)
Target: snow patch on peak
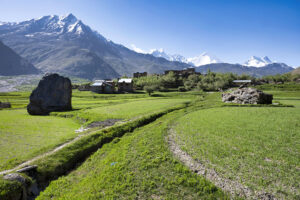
(203,59)
(69,18)
(256,61)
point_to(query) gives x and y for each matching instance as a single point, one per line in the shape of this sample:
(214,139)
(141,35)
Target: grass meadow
(23,136)
(257,146)
(137,166)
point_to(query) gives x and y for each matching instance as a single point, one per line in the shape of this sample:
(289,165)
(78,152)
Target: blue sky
(232,30)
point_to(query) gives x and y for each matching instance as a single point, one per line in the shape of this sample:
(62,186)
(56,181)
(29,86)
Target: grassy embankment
(256,146)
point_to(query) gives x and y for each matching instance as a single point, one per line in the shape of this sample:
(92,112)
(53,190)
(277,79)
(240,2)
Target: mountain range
(255,66)
(64,44)
(196,61)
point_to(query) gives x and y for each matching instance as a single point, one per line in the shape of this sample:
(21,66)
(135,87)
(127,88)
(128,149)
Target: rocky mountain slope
(66,45)
(296,71)
(13,64)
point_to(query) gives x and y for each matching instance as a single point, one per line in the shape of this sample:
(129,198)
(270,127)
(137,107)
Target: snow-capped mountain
(161,53)
(64,44)
(203,59)
(256,61)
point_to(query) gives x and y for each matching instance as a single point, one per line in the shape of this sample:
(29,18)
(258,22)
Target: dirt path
(233,187)
(85,133)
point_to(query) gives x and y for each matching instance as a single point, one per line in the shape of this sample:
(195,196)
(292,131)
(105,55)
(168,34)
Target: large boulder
(54,93)
(247,96)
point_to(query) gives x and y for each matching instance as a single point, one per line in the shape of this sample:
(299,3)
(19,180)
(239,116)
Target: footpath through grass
(137,166)
(256,146)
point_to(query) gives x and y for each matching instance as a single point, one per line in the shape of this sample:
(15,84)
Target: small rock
(15,177)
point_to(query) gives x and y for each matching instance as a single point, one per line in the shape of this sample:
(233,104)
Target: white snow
(136,49)
(203,59)
(256,61)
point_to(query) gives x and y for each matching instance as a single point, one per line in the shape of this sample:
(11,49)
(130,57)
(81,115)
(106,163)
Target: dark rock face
(247,96)
(53,93)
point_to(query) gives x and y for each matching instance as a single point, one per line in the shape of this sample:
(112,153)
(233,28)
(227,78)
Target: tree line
(210,81)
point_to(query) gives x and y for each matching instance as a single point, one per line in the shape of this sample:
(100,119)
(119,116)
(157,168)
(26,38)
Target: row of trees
(281,78)
(209,82)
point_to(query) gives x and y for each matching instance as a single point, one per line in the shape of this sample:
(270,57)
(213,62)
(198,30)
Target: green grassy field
(23,136)
(257,146)
(137,166)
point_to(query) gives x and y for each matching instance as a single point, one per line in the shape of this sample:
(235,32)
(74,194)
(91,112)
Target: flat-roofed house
(242,82)
(125,85)
(102,86)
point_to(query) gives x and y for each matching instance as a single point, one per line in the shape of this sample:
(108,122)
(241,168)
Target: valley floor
(256,148)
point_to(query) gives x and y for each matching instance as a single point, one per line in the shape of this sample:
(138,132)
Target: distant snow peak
(203,59)
(256,61)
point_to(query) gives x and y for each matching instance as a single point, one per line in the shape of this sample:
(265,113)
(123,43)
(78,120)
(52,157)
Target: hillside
(270,69)
(66,45)
(296,71)
(13,64)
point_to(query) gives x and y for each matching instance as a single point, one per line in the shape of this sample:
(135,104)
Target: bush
(181,89)
(149,89)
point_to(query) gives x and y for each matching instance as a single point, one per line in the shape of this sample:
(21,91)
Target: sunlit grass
(258,146)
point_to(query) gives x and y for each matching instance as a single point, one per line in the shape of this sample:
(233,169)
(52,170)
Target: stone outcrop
(247,96)
(54,93)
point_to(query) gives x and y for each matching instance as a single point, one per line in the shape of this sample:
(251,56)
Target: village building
(139,74)
(125,85)
(102,86)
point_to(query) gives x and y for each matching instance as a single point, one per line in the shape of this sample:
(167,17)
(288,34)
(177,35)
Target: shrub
(181,89)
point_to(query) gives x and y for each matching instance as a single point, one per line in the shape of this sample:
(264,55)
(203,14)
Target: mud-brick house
(102,86)
(125,85)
